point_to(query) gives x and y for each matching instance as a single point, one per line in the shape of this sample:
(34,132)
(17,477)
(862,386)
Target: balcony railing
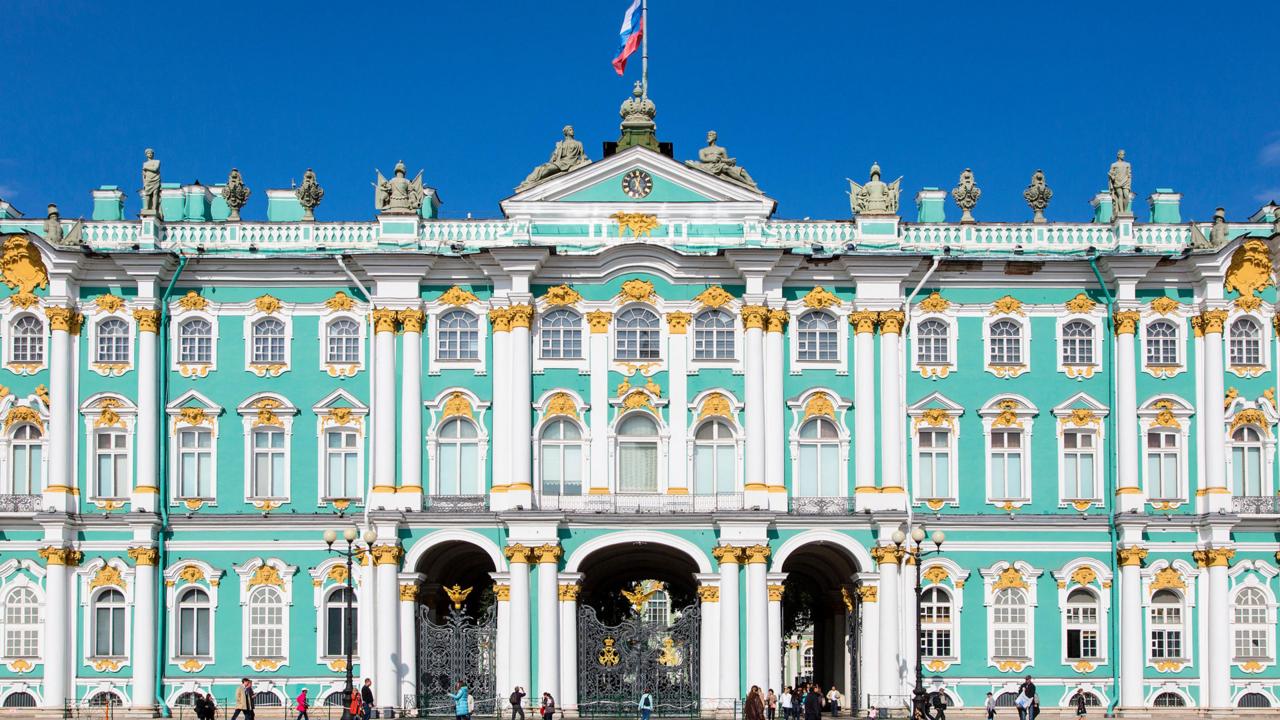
(820,505)
(1256,504)
(642,504)
(19,503)
(456,503)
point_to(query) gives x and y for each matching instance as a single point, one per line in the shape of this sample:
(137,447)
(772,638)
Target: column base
(874,499)
(756,498)
(513,497)
(1130,501)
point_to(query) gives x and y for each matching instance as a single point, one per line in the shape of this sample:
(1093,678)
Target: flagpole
(644,48)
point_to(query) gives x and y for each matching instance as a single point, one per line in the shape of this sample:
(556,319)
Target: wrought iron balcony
(841,505)
(19,503)
(642,504)
(456,503)
(1256,504)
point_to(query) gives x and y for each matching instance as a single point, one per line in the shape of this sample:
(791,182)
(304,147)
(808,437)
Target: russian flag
(630,35)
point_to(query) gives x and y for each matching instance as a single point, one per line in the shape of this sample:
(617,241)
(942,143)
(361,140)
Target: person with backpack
(517,702)
(646,705)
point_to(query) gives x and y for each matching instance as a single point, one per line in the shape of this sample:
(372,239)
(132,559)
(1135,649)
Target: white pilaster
(730,686)
(500,371)
(1129,495)
(758,649)
(864,408)
(521,388)
(1214,488)
(910,609)
(890,620)
(892,487)
(145,491)
(502,668)
(57,622)
(1132,652)
(599,359)
(518,557)
(386,560)
(409,496)
(755,489)
(408,593)
(569,640)
(773,648)
(869,643)
(774,404)
(709,638)
(144,629)
(61,488)
(548,557)
(1220,637)
(678,396)
(384,412)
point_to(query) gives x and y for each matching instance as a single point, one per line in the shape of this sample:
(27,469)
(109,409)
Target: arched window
(636,335)
(817,337)
(1006,465)
(1245,347)
(1078,464)
(715,459)
(806,661)
(195,342)
(1009,623)
(1006,343)
(336,616)
(935,624)
(28,340)
(264,698)
(21,624)
(111,456)
(187,699)
(1168,699)
(933,344)
(1254,700)
(268,463)
(105,699)
(713,335)
(1162,343)
(20,700)
(458,336)
(266,623)
(1246,462)
(108,624)
(268,342)
(819,459)
(1166,625)
(561,334)
(1091,700)
(335,699)
(26,458)
(195,463)
(1077,343)
(933,464)
(343,477)
(638,454)
(1251,629)
(1082,625)
(113,341)
(561,458)
(194,629)
(344,342)
(1164,464)
(1007,699)
(459,461)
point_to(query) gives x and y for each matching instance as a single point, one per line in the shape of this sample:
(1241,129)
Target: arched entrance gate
(457,629)
(822,621)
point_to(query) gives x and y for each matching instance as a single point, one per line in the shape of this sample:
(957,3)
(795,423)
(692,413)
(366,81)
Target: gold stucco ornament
(22,267)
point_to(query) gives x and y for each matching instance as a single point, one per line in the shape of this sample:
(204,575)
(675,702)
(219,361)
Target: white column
(145,488)
(366,622)
(57,621)
(386,682)
(411,438)
(755,489)
(1132,651)
(518,557)
(548,557)
(678,397)
(773,649)
(1220,638)
(774,404)
(869,643)
(757,616)
(1128,484)
(521,389)
(890,658)
(408,593)
(144,626)
(1214,487)
(709,639)
(599,383)
(500,371)
(730,685)
(384,407)
(908,643)
(864,404)
(58,492)
(569,641)
(891,412)
(502,669)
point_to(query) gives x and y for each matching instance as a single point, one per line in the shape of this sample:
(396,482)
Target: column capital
(891,321)
(1126,321)
(148,320)
(502,592)
(59,318)
(727,554)
(709,593)
(775,592)
(887,554)
(569,591)
(411,321)
(1197,326)
(863,321)
(753,316)
(386,554)
(77,322)
(500,318)
(1133,555)
(1214,557)
(757,554)
(144,555)
(1213,321)
(408,592)
(548,554)
(599,321)
(521,316)
(53,555)
(518,554)
(678,322)
(868,593)
(384,320)
(778,319)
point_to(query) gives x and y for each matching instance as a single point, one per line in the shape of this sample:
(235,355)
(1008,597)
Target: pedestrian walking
(834,699)
(754,708)
(771,705)
(302,705)
(548,706)
(646,705)
(813,704)
(991,707)
(244,700)
(461,701)
(1078,701)
(939,703)
(366,699)
(517,702)
(785,701)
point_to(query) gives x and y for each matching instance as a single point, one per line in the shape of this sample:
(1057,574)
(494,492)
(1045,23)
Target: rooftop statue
(236,193)
(966,195)
(1218,233)
(874,198)
(638,128)
(53,226)
(399,195)
(1037,196)
(715,160)
(150,185)
(1120,185)
(309,194)
(566,157)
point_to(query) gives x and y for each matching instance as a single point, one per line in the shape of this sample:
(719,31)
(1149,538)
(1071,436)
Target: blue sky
(803,94)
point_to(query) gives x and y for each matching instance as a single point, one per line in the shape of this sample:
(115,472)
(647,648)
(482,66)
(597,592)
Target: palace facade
(636,431)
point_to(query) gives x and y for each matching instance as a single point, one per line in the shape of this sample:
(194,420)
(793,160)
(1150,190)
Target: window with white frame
(1168,699)
(22,625)
(342,345)
(1166,625)
(28,340)
(560,333)
(657,609)
(340,623)
(1005,344)
(715,459)
(1077,343)
(636,335)
(195,463)
(1252,632)
(1164,464)
(936,616)
(458,336)
(1009,622)
(933,344)
(111,464)
(637,454)
(113,341)
(1162,343)
(1079,461)
(1245,345)
(1246,462)
(268,342)
(933,463)
(1082,625)
(458,465)
(560,458)
(817,336)
(806,661)
(26,460)
(343,477)
(268,464)
(109,610)
(195,342)
(819,459)
(713,336)
(194,624)
(266,623)
(1006,461)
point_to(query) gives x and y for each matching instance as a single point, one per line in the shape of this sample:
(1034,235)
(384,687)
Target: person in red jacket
(303,705)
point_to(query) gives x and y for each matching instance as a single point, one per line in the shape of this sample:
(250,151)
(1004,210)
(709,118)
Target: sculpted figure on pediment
(715,160)
(567,156)
(875,197)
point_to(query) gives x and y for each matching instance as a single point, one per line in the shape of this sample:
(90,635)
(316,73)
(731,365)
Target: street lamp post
(349,535)
(919,703)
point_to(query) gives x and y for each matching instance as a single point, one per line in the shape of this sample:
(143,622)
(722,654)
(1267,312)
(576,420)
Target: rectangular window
(934,470)
(108,627)
(1246,470)
(1078,463)
(268,464)
(193,632)
(1166,644)
(342,464)
(336,628)
(112,461)
(935,643)
(1163,465)
(27,458)
(266,631)
(195,463)
(1251,644)
(1006,465)
(638,467)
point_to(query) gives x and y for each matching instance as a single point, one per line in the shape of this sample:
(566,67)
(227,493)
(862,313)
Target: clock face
(637,184)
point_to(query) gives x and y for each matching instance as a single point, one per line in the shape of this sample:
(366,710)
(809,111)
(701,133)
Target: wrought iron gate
(853,629)
(460,648)
(617,662)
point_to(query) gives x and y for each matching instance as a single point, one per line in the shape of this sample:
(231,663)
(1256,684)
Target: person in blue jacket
(461,705)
